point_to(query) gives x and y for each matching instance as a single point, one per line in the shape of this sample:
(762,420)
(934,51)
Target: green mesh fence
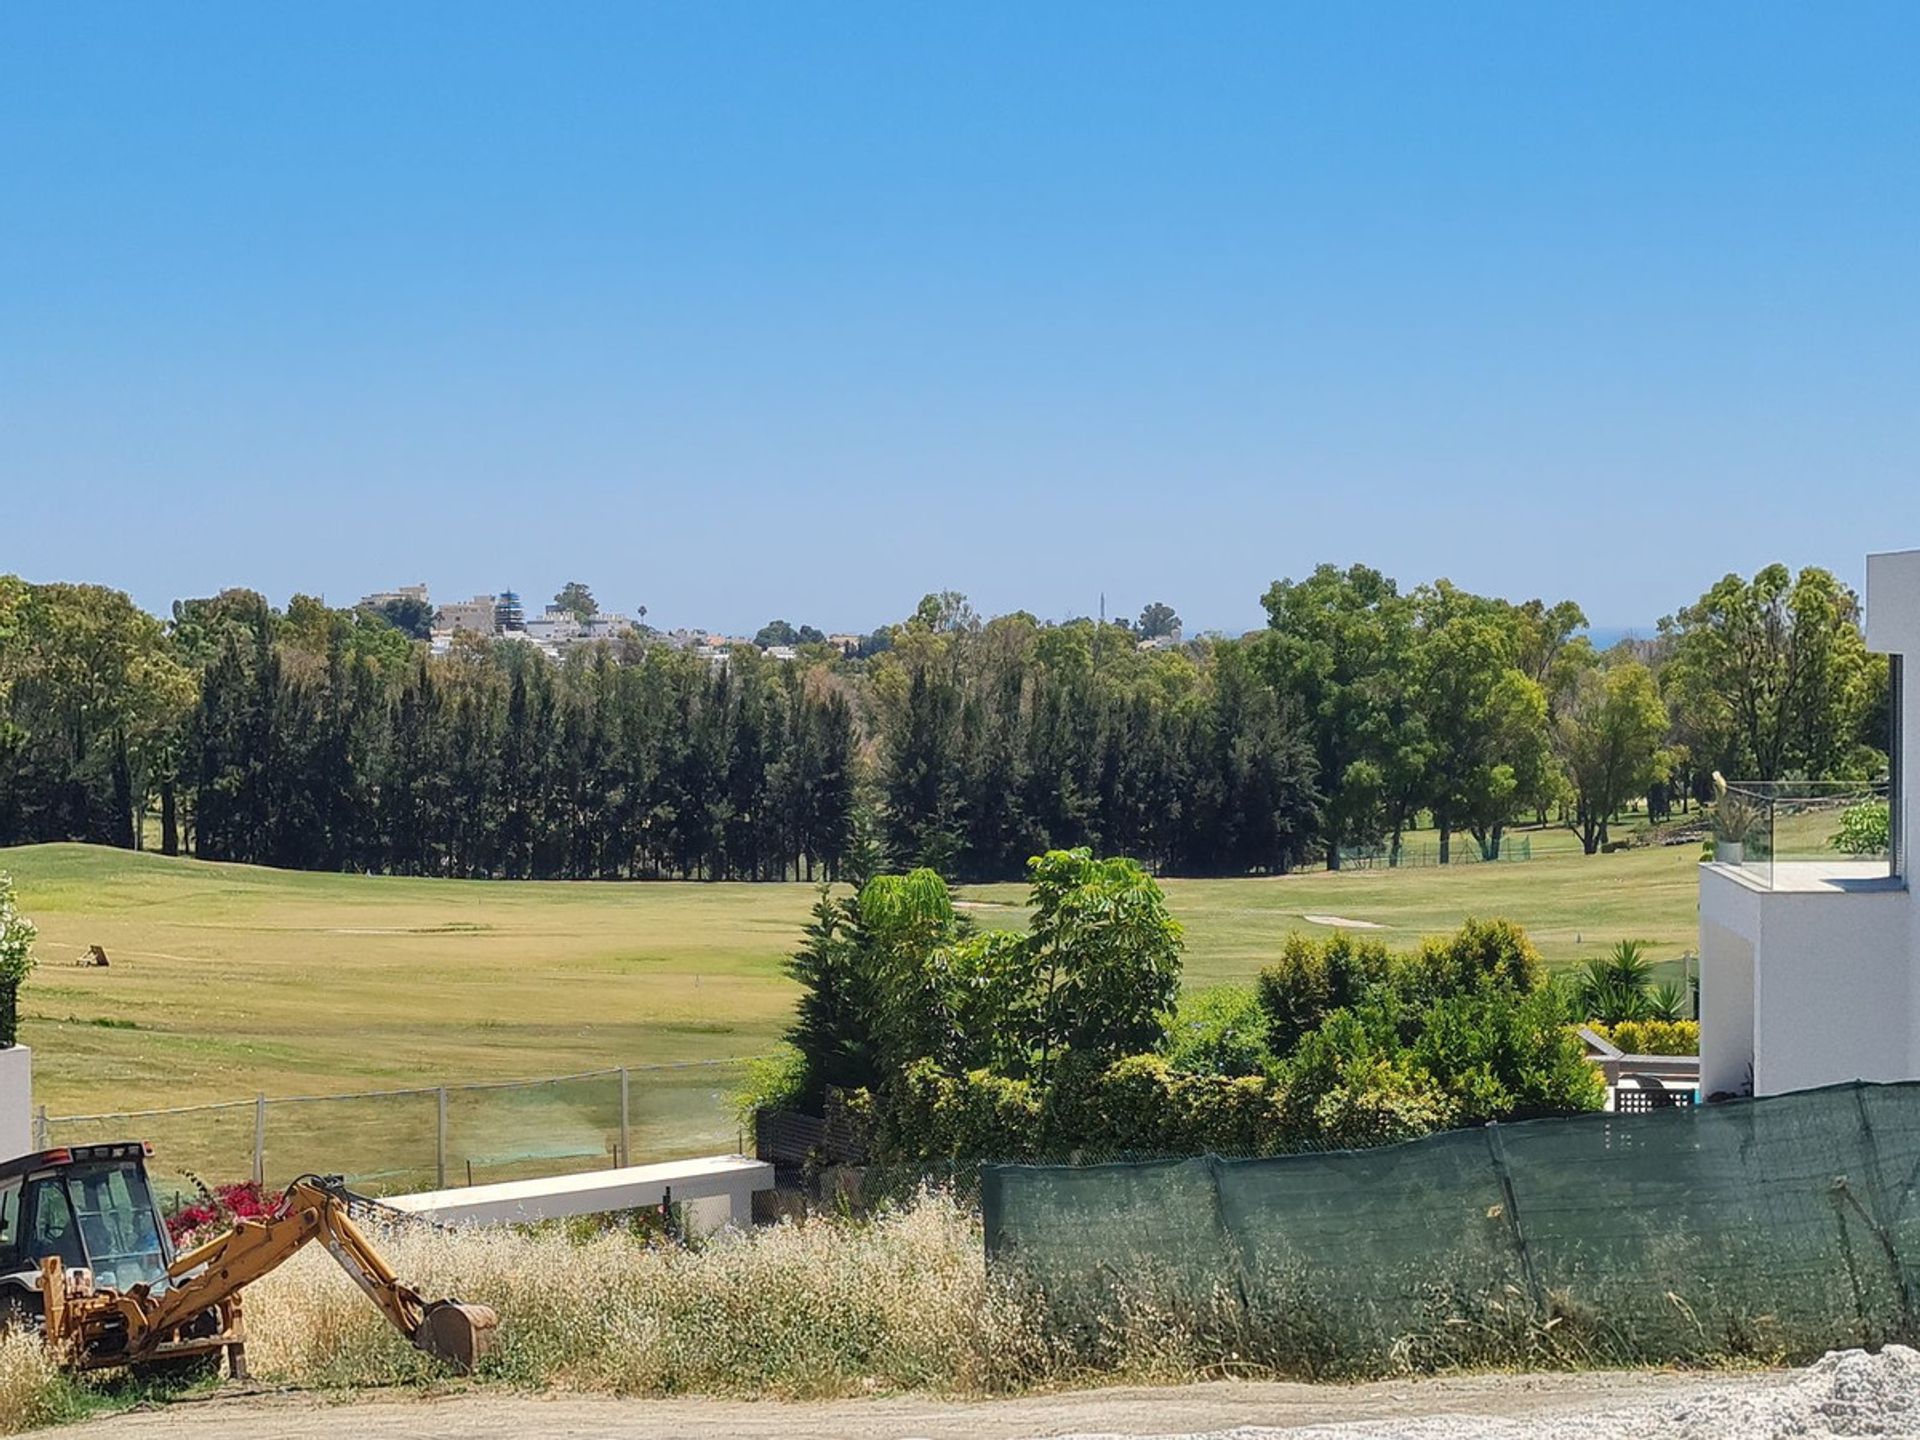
(1774,1228)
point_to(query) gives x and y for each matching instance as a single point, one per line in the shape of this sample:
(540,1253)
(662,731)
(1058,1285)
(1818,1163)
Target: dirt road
(485,1414)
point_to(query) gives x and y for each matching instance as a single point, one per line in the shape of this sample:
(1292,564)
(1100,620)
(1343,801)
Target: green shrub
(1219,1031)
(773,1082)
(1481,954)
(1617,987)
(1652,1037)
(1501,1057)
(1311,979)
(17,934)
(1141,1106)
(1136,1106)
(931,1114)
(1864,830)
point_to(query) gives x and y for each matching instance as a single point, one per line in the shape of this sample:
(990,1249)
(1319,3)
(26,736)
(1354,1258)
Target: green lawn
(228,980)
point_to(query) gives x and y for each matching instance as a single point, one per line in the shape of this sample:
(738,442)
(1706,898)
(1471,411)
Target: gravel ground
(1848,1394)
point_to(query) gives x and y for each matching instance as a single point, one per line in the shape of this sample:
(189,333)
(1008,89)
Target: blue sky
(803,310)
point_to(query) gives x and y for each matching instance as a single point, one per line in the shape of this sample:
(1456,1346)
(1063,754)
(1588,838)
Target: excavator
(85,1255)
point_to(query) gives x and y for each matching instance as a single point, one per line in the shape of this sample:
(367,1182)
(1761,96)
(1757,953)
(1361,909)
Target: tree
(1610,737)
(1770,677)
(837,1017)
(577,600)
(776,632)
(1158,621)
(1340,643)
(1105,956)
(944,611)
(409,614)
(1486,721)
(94,697)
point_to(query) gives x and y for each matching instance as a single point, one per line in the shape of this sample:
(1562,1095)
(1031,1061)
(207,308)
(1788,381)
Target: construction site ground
(1457,1405)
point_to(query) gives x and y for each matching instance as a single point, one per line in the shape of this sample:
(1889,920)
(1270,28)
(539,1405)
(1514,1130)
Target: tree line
(319,738)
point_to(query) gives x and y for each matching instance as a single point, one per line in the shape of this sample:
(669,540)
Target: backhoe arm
(211,1277)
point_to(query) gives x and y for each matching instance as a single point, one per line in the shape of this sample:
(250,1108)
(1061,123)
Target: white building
(1809,959)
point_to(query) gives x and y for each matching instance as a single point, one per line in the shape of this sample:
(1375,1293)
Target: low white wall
(16,1101)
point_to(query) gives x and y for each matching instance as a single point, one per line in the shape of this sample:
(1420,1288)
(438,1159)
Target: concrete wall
(1831,1000)
(1726,1005)
(16,1101)
(1809,987)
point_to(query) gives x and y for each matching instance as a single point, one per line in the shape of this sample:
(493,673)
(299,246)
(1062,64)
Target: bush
(1652,1037)
(1136,1106)
(1463,1030)
(1481,955)
(1864,830)
(931,1114)
(1141,1106)
(1219,1031)
(217,1207)
(17,934)
(774,1082)
(1313,978)
(1618,986)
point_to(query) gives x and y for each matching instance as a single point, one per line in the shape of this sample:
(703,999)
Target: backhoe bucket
(459,1334)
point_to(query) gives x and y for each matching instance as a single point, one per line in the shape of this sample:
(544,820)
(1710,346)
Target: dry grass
(32,1391)
(828,1308)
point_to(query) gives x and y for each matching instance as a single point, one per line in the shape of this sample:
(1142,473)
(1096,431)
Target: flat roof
(1815,876)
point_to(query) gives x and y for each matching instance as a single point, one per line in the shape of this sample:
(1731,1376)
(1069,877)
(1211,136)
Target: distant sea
(1605,637)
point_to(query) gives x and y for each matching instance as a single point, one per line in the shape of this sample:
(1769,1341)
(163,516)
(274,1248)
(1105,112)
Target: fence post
(440,1142)
(260,1139)
(1511,1205)
(626,1132)
(42,1133)
(1884,1233)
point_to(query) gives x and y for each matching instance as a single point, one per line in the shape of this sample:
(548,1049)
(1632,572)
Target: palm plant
(1614,988)
(1668,1001)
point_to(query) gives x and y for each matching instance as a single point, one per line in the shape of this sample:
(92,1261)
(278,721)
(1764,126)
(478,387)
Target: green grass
(1575,906)
(227,981)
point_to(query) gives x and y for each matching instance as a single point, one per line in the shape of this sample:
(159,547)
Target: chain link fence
(1770,1229)
(388,1142)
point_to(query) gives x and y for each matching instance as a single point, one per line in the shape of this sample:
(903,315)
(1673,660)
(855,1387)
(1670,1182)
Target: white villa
(1810,959)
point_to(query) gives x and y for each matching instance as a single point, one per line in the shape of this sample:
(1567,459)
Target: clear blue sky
(738,311)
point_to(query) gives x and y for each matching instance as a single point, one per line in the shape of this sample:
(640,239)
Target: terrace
(1808,836)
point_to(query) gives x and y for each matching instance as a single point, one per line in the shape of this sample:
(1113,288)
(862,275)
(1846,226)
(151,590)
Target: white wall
(1726,1003)
(1832,998)
(1893,628)
(16,1101)
(1809,987)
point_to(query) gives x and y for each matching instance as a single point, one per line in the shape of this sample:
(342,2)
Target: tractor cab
(89,1205)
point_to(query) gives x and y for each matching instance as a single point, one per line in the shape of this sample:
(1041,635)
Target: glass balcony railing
(1807,834)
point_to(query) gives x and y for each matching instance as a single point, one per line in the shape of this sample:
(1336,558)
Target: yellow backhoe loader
(85,1254)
